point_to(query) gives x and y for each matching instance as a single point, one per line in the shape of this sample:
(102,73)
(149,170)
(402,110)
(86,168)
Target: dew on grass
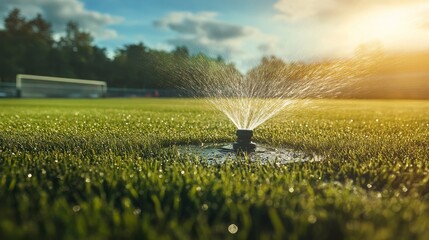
(76,208)
(137,211)
(312,219)
(233,229)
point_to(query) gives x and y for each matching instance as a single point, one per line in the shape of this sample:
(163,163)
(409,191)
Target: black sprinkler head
(244,143)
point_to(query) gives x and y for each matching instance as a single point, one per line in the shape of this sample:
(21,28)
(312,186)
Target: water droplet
(76,208)
(137,211)
(233,229)
(312,219)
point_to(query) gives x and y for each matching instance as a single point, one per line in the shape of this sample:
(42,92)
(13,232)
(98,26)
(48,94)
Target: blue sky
(243,31)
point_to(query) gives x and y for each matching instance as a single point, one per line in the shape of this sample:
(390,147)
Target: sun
(388,23)
(384,25)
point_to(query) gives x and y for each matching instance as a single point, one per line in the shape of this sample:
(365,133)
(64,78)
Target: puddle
(218,153)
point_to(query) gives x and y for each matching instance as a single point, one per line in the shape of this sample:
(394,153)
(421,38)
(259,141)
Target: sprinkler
(244,143)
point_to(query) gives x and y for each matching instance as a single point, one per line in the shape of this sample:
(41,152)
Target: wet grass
(97,169)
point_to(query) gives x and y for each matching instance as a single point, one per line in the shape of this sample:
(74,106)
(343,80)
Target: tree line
(27,46)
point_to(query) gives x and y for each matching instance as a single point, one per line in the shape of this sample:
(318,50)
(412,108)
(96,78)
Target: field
(108,169)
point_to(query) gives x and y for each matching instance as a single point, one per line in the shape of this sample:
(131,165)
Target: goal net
(33,86)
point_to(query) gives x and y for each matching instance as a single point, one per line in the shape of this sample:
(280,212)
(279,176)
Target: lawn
(108,169)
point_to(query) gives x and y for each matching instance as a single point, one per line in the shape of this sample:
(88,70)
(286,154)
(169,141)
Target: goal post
(35,86)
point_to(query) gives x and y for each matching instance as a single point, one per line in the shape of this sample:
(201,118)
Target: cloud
(202,24)
(293,10)
(59,12)
(196,45)
(296,10)
(202,32)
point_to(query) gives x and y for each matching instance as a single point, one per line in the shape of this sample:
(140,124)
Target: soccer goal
(33,86)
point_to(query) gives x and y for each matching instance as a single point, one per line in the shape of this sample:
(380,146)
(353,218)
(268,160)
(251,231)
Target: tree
(77,52)
(15,23)
(9,58)
(181,52)
(25,45)
(75,38)
(129,62)
(41,28)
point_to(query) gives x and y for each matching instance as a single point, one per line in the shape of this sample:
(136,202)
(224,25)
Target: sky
(242,31)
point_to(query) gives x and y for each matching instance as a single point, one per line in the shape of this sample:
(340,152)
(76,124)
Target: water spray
(244,142)
(250,99)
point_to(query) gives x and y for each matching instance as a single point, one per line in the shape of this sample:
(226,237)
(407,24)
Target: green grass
(97,169)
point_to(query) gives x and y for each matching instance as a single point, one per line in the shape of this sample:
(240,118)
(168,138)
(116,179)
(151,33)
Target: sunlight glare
(387,23)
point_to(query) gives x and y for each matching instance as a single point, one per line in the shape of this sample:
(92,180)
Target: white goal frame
(47,79)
